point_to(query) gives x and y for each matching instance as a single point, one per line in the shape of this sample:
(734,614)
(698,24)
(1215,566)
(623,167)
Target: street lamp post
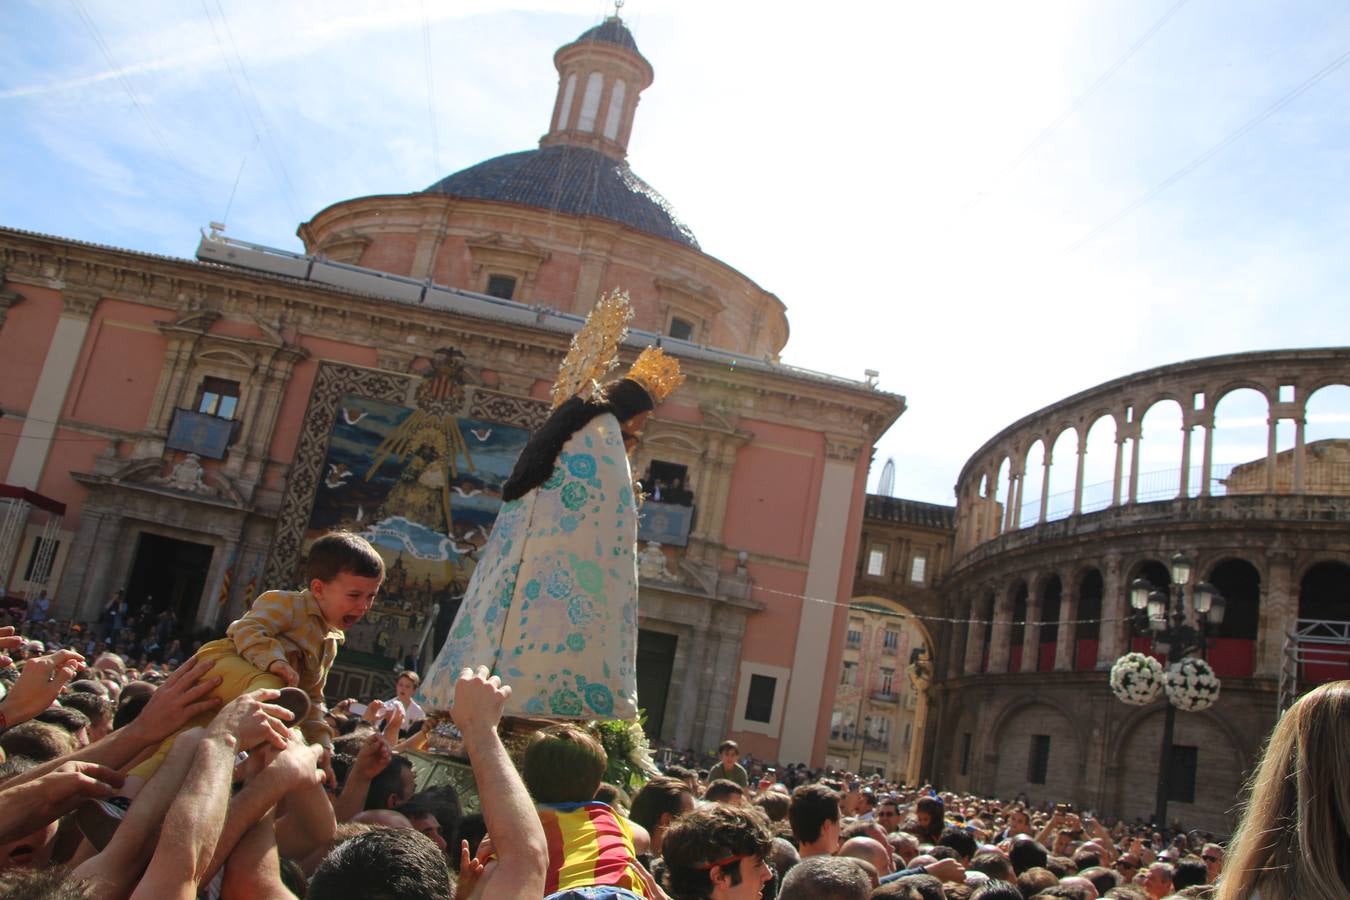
(1162,615)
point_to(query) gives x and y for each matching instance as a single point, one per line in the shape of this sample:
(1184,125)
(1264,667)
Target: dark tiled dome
(610,31)
(577,181)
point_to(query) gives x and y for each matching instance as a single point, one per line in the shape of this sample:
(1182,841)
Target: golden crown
(658,374)
(594,350)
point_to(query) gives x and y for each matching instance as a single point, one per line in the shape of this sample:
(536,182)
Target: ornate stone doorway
(655,663)
(168,574)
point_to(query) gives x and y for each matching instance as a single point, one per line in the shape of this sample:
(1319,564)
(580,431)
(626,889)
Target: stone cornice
(1250,521)
(784,396)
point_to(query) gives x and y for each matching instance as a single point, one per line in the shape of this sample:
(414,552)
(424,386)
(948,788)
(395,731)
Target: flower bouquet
(1191,684)
(1137,679)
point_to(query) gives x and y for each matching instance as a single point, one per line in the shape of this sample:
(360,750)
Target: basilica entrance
(168,574)
(655,662)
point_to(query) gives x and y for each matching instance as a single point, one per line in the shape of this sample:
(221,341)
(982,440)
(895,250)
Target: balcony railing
(885,696)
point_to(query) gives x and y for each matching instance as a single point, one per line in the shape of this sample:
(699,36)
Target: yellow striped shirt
(289,626)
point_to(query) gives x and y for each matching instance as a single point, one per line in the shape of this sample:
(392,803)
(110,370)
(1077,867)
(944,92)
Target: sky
(994,205)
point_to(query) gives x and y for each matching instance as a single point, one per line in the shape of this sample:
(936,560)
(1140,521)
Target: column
(1045,485)
(1068,629)
(1120,467)
(49,396)
(1279,611)
(1018,482)
(1185,454)
(1300,452)
(1114,606)
(975,631)
(1031,634)
(1271,443)
(1207,460)
(815,627)
(1135,440)
(1078,476)
(1001,645)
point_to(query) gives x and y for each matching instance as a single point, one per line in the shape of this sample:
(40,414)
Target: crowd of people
(244,806)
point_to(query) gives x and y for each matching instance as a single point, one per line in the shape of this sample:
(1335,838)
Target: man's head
(394,786)
(1189,870)
(1102,878)
(1213,857)
(959,840)
(993,864)
(71,721)
(826,878)
(723,790)
(398,864)
(1157,880)
(406,685)
(37,741)
(729,752)
(344,573)
(774,804)
(97,708)
(904,845)
(1036,879)
(563,763)
(869,850)
(1018,822)
(814,816)
(1027,853)
(867,801)
(717,852)
(34,849)
(888,814)
(422,816)
(660,802)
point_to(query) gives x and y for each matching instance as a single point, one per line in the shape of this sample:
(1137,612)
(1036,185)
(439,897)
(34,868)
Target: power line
(121,77)
(257,124)
(1075,105)
(1213,151)
(431,92)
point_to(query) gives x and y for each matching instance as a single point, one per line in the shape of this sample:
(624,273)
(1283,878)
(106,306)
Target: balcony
(206,435)
(885,696)
(665,523)
(871,743)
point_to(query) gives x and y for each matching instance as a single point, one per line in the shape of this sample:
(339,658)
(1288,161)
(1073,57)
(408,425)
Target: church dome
(573,180)
(610,31)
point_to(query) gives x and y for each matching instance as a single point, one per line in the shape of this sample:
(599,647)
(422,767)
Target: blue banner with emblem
(205,435)
(666,523)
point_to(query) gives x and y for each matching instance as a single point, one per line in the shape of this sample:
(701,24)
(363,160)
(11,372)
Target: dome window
(568,93)
(590,102)
(615,112)
(681,329)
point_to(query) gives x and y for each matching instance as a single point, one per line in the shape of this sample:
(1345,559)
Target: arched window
(590,102)
(1232,651)
(569,91)
(615,112)
(1088,631)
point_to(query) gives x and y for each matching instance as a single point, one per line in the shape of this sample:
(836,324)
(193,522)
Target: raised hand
(183,695)
(479,700)
(253,720)
(40,681)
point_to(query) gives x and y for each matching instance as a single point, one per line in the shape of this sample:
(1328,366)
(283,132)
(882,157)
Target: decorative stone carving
(79,301)
(842,449)
(187,475)
(651,563)
(8,298)
(505,255)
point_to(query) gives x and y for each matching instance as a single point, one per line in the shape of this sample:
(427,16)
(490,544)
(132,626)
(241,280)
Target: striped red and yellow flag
(225,588)
(588,845)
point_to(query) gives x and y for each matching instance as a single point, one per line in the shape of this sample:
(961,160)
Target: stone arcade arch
(1035,738)
(1209,751)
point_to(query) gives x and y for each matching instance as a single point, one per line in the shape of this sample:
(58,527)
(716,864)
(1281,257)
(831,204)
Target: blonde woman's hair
(1292,842)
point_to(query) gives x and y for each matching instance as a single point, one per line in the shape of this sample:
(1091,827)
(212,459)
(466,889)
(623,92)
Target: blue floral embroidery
(574,495)
(532,589)
(581,465)
(599,698)
(555,479)
(575,642)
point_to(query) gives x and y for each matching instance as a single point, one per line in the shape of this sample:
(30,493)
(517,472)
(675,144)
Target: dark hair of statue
(623,399)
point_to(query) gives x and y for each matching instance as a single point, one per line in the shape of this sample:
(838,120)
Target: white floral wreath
(1137,679)
(1191,684)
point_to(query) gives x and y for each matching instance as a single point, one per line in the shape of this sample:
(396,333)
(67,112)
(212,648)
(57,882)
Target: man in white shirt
(413,714)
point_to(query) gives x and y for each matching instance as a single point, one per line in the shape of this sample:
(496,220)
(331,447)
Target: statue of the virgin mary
(552,605)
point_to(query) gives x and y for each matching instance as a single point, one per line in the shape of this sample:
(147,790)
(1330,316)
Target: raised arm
(193,825)
(254,633)
(517,836)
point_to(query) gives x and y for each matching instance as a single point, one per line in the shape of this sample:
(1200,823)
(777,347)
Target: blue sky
(856,162)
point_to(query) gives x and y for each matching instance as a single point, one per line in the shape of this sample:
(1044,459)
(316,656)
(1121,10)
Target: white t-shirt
(412,712)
